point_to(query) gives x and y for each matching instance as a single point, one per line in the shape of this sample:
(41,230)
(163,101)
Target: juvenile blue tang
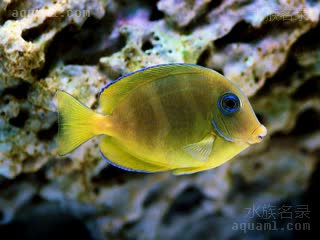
(177,117)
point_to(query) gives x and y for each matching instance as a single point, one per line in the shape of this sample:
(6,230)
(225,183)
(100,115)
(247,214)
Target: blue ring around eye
(228,103)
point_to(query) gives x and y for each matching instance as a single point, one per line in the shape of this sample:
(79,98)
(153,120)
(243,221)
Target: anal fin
(116,156)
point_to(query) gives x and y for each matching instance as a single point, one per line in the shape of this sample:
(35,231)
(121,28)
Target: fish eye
(228,103)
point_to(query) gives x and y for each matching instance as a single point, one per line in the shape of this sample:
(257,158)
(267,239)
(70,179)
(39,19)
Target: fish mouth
(258,134)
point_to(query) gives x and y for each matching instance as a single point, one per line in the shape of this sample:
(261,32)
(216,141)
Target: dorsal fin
(117,90)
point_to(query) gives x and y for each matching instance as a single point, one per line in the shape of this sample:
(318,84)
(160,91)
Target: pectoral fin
(200,150)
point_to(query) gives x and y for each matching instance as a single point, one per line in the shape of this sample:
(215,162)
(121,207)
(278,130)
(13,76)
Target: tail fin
(77,123)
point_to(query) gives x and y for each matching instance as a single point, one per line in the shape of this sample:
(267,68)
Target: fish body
(173,117)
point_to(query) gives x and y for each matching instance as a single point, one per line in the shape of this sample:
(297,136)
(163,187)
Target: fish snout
(258,134)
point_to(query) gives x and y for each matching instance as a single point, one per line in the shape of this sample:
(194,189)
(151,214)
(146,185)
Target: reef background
(271,49)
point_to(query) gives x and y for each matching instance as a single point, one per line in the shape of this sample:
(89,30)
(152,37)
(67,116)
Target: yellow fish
(177,117)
